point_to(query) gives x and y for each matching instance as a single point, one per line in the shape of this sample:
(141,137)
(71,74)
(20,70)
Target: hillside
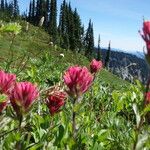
(127,66)
(34,45)
(39,115)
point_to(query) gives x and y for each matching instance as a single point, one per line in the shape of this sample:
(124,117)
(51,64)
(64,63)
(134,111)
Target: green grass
(35,43)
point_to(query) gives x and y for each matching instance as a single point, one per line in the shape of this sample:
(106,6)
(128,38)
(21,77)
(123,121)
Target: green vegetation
(109,116)
(36,44)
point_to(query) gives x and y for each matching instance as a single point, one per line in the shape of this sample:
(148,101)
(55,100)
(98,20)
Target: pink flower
(95,66)
(55,101)
(78,80)
(147,98)
(6,82)
(23,96)
(146,35)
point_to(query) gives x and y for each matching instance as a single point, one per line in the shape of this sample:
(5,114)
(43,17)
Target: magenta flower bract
(55,101)
(78,79)
(23,96)
(147,98)
(146,35)
(7,80)
(95,66)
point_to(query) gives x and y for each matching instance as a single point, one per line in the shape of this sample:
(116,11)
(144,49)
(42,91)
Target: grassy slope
(35,42)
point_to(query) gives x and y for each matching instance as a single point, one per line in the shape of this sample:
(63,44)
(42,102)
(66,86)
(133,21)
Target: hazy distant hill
(127,66)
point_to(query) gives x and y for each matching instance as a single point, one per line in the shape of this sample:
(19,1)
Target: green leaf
(146,110)
(3,98)
(136,111)
(11,27)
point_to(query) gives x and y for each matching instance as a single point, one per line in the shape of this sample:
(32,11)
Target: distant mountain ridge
(127,65)
(135,52)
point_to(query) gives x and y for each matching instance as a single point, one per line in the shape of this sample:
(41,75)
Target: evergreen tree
(30,12)
(46,15)
(77,31)
(53,21)
(37,16)
(10,9)
(99,57)
(62,28)
(2,5)
(107,59)
(89,40)
(33,12)
(15,9)
(70,27)
(6,5)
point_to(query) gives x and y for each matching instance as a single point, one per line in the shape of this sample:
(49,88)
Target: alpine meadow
(57,87)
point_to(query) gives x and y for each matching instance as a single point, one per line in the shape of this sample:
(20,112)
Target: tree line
(68,33)
(9,9)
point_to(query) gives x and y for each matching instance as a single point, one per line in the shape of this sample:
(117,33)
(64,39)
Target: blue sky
(115,20)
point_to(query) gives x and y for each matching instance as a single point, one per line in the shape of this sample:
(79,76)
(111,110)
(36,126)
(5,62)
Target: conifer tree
(99,57)
(70,27)
(15,9)
(37,16)
(62,28)
(107,59)
(53,21)
(33,12)
(89,40)
(47,11)
(30,12)
(6,5)
(2,5)
(10,9)
(78,31)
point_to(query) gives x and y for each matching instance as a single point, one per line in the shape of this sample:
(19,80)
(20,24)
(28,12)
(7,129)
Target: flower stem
(137,132)
(74,120)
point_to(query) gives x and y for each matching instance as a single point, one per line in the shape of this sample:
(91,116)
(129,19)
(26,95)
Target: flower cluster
(147,98)
(55,100)
(6,84)
(7,81)
(23,94)
(95,66)
(78,80)
(146,35)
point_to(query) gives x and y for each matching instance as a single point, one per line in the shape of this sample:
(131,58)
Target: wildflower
(41,21)
(147,98)
(146,35)
(55,101)
(7,80)
(23,96)
(78,80)
(95,66)
(27,26)
(62,55)
(6,83)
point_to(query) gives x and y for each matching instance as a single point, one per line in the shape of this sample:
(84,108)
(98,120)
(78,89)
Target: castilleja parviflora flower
(55,100)
(146,37)
(78,80)
(7,81)
(23,96)
(95,66)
